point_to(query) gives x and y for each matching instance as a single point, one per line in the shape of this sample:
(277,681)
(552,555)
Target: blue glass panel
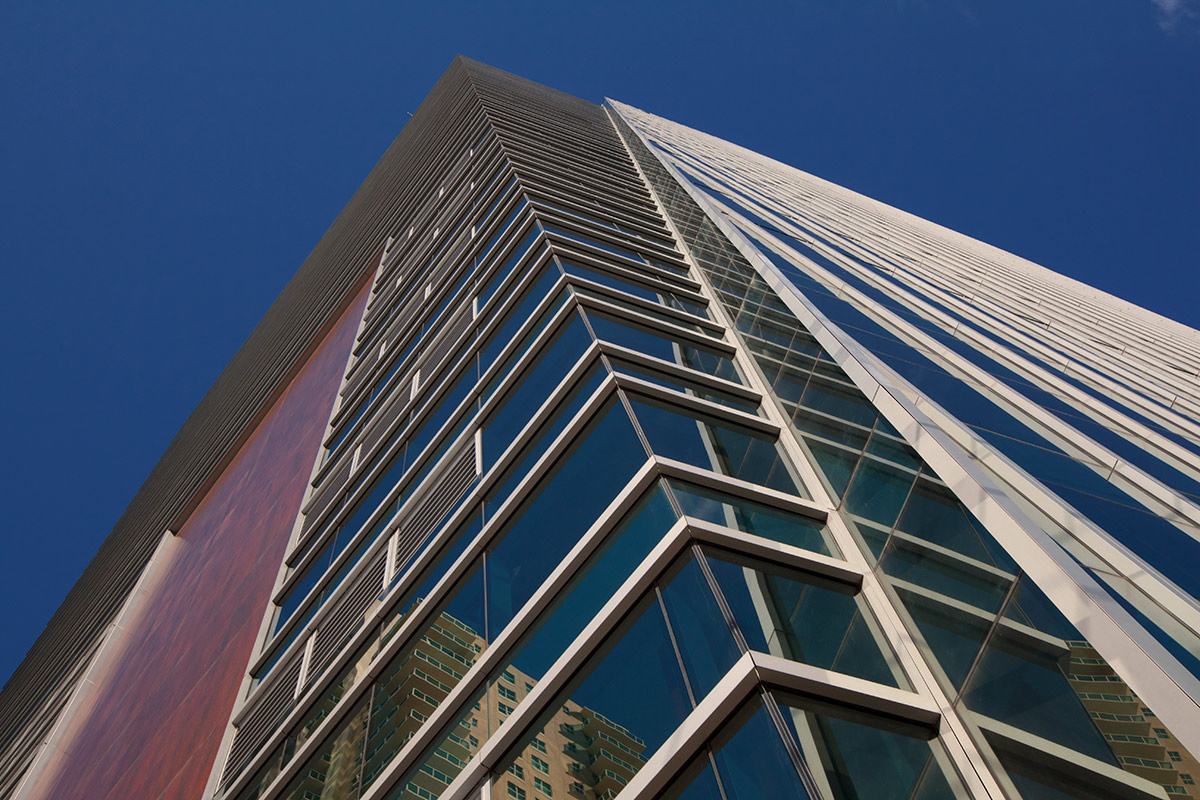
(750,517)
(859,760)
(518,317)
(560,417)
(534,388)
(705,642)
(754,764)
(800,617)
(661,345)
(625,548)
(708,443)
(557,513)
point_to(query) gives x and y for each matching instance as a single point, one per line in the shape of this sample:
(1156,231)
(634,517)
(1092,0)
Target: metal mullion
(401,296)
(454,306)
(457,571)
(1026,542)
(569,159)
(647,280)
(416,619)
(685,335)
(387,441)
(769,551)
(427,208)
(621,265)
(589,216)
(602,170)
(737,487)
(313,624)
(669,368)
(1042,419)
(899,639)
(683,317)
(530,615)
(610,186)
(612,615)
(1089,771)
(1086,533)
(567,140)
(600,198)
(243,700)
(691,406)
(496,323)
(544,412)
(411,359)
(600,192)
(624,241)
(968,313)
(574,203)
(408,284)
(420,199)
(676,543)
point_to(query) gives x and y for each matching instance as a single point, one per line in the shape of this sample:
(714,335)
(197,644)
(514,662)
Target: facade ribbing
(660,469)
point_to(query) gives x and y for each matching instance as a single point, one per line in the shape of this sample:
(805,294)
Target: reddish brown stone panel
(154,721)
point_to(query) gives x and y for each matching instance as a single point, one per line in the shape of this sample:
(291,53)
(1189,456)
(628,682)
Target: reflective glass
(636,309)
(560,416)
(803,618)
(703,441)
(849,757)
(628,698)
(626,546)
(533,388)
(697,782)
(752,760)
(334,772)
(518,316)
(878,492)
(518,253)
(683,385)
(662,345)
(663,295)
(705,643)
(751,517)
(553,517)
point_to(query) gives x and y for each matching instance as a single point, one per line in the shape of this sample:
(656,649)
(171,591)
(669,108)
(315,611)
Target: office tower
(589,455)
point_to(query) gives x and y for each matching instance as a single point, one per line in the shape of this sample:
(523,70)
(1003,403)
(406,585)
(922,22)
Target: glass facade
(625,514)
(660,469)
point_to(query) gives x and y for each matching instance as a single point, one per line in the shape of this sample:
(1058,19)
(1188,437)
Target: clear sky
(166,167)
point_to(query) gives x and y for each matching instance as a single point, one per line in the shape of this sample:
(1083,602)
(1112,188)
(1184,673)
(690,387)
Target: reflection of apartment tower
(413,691)
(1137,737)
(579,753)
(533,310)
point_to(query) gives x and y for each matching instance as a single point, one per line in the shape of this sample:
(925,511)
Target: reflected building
(590,456)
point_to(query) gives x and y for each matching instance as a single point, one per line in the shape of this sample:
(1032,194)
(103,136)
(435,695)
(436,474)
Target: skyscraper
(590,455)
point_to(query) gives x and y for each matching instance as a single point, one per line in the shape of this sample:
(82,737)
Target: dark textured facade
(589,455)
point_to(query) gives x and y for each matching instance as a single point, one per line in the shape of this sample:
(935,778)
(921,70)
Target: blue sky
(168,166)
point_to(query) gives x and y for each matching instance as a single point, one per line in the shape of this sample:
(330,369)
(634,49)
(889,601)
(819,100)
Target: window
(1174,755)
(1187,779)
(504,709)
(515,791)
(1162,733)
(508,676)
(474,742)
(528,687)
(517,771)
(543,787)
(506,693)
(539,745)
(540,765)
